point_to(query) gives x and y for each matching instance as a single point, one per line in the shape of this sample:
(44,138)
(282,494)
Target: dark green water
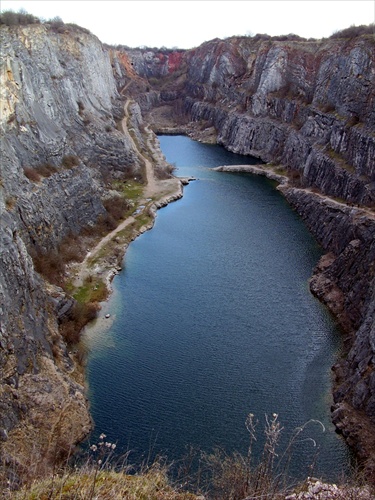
(212,319)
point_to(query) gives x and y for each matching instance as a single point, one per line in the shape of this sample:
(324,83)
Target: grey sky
(186,24)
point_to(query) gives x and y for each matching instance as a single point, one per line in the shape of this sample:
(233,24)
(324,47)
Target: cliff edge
(63,154)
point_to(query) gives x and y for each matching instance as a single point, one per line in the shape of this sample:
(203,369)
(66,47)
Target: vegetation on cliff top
(218,476)
(23,18)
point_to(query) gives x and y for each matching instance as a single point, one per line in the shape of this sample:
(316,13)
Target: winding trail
(284,183)
(151,185)
(156,193)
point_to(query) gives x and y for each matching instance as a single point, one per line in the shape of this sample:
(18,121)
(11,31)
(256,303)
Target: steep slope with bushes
(61,157)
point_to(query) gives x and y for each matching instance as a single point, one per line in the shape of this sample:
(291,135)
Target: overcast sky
(187,24)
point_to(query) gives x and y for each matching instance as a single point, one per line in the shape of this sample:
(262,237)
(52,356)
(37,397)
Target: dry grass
(236,476)
(219,476)
(70,161)
(34,174)
(104,485)
(10,202)
(98,479)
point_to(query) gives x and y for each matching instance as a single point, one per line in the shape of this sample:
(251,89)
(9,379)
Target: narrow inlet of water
(212,319)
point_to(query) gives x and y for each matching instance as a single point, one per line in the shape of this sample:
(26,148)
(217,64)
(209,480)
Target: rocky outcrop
(156,63)
(345,281)
(308,106)
(60,148)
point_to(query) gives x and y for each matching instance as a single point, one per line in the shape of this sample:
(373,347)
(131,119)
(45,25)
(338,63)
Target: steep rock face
(155,63)
(308,106)
(59,146)
(155,78)
(345,280)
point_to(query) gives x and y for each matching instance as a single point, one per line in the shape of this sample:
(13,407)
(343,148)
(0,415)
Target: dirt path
(155,194)
(284,184)
(151,185)
(84,265)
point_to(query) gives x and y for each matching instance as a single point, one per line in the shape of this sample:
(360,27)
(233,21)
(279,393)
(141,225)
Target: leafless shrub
(10,18)
(46,169)
(34,174)
(329,107)
(50,265)
(295,177)
(353,120)
(116,207)
(72,248)
(105,224)
(288,38)
(355,31)
(79,316)
(261,36)
(31,174)
(70,161)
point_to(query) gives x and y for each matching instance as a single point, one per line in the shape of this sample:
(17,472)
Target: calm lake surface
(211,319)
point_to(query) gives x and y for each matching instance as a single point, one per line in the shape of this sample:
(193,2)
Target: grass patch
(278,169)
(10,202)
(93,290)
(143,219)
(131,190)
(337,158)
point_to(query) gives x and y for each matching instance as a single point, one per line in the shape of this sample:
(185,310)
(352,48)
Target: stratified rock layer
(59,108)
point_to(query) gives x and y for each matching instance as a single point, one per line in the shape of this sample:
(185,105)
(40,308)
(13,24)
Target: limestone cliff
(308,109)
(59,149)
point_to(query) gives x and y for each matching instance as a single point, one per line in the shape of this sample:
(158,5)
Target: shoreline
(352,423)
(254,169)
(107,270)
(103,261)
(285,185)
